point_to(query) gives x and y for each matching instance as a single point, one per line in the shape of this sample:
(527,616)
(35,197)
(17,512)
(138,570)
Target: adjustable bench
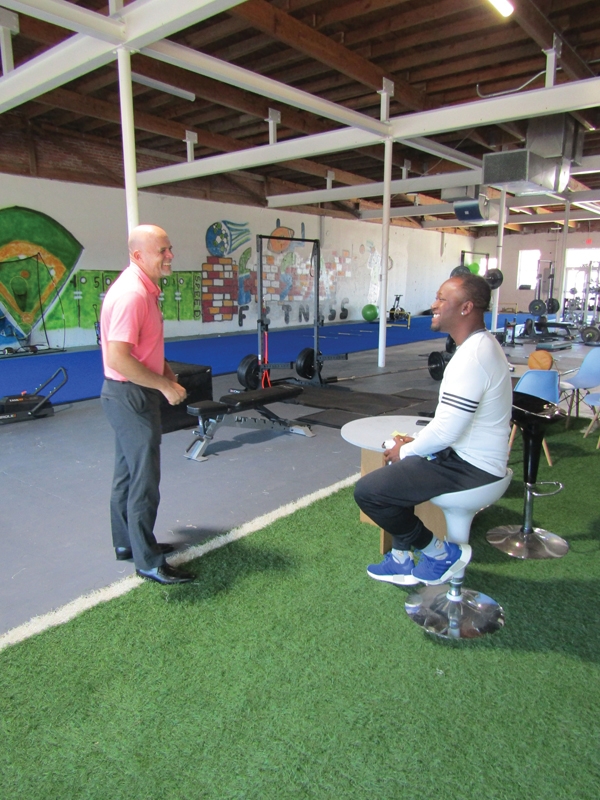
(213,414)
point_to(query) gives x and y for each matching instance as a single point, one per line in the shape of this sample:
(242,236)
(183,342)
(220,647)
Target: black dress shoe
(166,574)
(124,553)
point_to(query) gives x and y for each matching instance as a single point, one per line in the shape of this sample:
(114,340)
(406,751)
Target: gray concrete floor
(56,474)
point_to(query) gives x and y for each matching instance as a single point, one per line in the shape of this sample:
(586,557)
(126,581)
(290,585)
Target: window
(528,268)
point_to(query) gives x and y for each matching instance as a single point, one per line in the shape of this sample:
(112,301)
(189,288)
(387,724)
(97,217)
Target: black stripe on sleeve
(462,403)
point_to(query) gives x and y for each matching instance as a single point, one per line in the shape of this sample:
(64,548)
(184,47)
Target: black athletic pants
(389,495)
(134,414)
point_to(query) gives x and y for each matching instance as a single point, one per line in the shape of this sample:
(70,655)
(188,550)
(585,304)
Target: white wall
(419,260)
(550,245)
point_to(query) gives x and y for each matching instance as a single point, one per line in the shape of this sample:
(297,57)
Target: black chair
(532,415)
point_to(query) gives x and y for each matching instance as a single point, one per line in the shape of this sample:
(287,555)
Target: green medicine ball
(370,313)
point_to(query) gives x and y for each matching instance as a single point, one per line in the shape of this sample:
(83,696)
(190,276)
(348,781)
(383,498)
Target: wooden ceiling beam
(285,28)
(421,15)
(350,11)
(542,31)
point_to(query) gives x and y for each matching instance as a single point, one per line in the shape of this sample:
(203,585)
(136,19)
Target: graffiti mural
(223,237)
(40,281)
(37,258)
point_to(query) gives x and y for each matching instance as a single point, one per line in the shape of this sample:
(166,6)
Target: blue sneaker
(433,571)
(393,571)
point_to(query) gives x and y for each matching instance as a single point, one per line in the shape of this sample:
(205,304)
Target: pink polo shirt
(130,313)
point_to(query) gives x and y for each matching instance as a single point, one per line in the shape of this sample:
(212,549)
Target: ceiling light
(504,7)
(163,87)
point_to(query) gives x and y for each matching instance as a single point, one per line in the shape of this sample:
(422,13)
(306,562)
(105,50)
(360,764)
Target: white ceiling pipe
(148,21)
(442,151)
(572,96)
(145,22)
(304,147)
(72,17)
(410,211)
(203,64)
(448,180)
(515,219)
(69,60)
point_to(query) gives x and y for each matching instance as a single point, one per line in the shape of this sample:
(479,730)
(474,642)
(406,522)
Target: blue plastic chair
(542,383)
(593,401)
(588,377)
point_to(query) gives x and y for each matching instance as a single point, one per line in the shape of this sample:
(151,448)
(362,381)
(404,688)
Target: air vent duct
(524,172)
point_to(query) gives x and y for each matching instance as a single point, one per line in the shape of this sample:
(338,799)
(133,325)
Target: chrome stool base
(513,540)
(466,615)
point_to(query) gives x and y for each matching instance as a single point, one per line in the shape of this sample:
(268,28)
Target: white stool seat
(460,507)
(452,611)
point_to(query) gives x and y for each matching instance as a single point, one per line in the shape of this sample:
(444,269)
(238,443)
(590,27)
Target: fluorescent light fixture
(162,87)
(503,7)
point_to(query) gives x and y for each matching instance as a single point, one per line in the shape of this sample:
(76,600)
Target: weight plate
(305,363)
(461,270)
(552,305)
(436,364)
(450,345)
(537,307)
(590,334)
(248,372)
(494,278)
(528,327)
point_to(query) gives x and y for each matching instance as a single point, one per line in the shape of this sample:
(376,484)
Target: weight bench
(213,414)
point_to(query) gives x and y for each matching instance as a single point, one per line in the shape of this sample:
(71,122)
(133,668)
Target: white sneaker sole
(465,557)
(397,580)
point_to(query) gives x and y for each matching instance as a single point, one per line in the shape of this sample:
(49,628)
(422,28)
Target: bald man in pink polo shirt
(136,375)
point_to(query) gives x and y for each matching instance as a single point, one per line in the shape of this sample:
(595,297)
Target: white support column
(330,178)
(191,138)
(387,91)
(552,56)
(385,249)
(499,252)
(562,258)
(128,136)
(273,120)
(9,24)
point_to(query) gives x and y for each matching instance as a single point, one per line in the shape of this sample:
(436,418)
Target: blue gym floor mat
(24,373)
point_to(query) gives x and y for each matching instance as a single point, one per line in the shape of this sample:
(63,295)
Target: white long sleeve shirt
(474,408)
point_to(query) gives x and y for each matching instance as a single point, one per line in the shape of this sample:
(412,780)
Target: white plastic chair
(588,377)
(593,401)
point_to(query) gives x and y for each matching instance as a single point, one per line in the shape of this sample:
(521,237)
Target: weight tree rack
(254,372)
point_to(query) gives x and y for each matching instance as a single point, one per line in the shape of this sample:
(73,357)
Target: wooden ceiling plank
(282,27)
(492,44)
(350,11)
(418,15)
(542,31)
(228,96)
(527,54)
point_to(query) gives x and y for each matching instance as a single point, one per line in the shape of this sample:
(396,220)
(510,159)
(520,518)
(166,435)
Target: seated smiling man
(465,445)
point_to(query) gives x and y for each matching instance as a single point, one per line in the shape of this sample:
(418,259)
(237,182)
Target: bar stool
(450,611)
(532,415)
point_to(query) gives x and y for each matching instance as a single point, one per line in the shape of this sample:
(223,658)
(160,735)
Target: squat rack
(310,360)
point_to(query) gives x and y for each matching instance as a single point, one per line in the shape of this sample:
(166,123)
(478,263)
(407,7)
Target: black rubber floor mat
(364,404)
(331,418)
(418,394)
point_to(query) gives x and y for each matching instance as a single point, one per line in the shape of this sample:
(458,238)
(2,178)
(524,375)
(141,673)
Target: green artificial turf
(285,672)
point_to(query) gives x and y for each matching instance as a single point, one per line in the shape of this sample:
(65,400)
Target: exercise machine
(213,414)
(25,406)
(254,371)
